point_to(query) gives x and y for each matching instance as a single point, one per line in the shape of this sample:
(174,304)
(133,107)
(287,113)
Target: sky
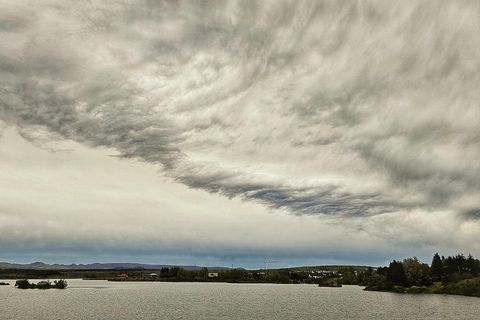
(234,132)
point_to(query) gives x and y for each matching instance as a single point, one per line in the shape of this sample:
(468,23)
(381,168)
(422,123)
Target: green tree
(396,273)
(437,267)
(473,265)
(349,275)
(378,282)
(417,273)
(204,273)
(164,272)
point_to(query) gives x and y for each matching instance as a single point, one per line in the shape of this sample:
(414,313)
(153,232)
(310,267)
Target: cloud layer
(341,108)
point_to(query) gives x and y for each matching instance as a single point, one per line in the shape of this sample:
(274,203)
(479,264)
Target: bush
(23,284)
(43,285)
(436,287)
(469,287)
(398,289)
(60,284)
(416,289)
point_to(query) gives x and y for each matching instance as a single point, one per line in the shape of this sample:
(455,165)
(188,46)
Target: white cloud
(356,110)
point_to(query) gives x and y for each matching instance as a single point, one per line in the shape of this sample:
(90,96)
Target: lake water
(161,300)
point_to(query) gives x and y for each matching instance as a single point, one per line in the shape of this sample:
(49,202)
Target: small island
(25,284)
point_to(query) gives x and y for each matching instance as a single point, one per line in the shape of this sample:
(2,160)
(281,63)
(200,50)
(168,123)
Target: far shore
(457,275)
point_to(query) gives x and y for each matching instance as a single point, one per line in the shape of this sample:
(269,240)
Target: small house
(121,277)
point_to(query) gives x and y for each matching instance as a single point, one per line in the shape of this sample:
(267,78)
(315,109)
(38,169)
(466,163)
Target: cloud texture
(345,108)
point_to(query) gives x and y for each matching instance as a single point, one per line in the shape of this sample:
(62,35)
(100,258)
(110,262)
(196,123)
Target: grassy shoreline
(467,287)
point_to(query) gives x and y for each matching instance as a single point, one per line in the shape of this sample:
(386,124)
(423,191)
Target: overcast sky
(229,132)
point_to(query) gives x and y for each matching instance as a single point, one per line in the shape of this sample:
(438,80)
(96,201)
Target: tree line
(453,274)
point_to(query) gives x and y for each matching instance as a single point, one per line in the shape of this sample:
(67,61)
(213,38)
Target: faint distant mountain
(93,266)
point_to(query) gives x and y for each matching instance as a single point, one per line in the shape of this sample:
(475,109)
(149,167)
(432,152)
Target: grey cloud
(328,200)
(366,91)
(472,214)
(70,251)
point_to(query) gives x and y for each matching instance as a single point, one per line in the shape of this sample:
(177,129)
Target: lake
(93,299)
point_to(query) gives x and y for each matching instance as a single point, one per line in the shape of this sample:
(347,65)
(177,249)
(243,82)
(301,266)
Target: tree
(396,273)
(473,265)
(437,267)
(164,272)
(378,282)
(60,284)
(349,275)
(364,275)
(417,273)
(476,268)
(23,284)
(180,273)
(204,273)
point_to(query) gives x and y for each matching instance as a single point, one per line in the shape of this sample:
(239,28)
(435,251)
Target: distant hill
(120,265)
(94,266)
(329,268)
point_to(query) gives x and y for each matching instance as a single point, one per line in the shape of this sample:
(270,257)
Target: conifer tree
(396,273)
(437,267)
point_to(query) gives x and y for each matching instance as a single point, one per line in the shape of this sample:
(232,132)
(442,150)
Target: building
(121,276)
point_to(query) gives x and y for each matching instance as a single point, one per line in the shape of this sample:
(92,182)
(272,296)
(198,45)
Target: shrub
(416,289)
(23,284)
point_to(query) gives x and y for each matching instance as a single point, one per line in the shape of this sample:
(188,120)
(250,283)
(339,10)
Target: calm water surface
(142,300)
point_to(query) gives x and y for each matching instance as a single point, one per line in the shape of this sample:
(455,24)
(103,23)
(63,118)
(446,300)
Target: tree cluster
(455,267)
(444,275)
